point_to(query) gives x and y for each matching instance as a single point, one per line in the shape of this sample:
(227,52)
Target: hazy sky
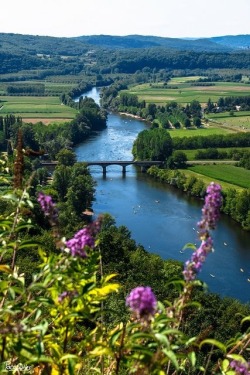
(170,18)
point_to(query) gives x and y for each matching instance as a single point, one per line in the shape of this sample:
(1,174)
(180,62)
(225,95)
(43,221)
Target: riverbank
(233,204)
(133,116)
(160,217)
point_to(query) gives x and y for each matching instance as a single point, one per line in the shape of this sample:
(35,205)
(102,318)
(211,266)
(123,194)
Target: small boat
(241,270)
(248,280)
(225,244)
(212,275)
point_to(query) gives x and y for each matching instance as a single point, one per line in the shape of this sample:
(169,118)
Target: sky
(167,18)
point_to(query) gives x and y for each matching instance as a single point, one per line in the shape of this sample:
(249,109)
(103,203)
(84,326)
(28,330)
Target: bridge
(144,164)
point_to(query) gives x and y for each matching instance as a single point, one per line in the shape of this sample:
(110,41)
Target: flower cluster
(77,244)
(66,294)
(210,216)
(240,367)
(84,237)
(142,301)
(48,206)
(211,208)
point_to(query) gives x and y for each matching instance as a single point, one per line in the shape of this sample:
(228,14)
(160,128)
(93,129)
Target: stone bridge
(143,164)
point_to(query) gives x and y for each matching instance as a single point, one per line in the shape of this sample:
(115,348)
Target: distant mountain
(35,44)
(233,41)
(140,41)
(77,46)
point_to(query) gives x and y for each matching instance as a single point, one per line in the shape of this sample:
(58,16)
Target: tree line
(54,137)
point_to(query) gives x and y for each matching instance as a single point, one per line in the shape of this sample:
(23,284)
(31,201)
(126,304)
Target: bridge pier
(104,170)
(124,169)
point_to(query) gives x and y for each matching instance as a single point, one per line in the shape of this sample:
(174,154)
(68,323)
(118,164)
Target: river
(160,217)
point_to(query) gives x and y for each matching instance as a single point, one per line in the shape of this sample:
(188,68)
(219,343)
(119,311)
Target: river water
(160,217)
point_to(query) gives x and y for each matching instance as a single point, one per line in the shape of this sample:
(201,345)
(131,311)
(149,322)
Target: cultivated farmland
(35,108)
(181,90)
(222,172)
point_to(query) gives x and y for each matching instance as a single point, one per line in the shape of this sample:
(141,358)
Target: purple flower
(48,206)
(240,367)
(211,208)
(83,238)
(77,244)
(210,216)
(142,301)
(66,294)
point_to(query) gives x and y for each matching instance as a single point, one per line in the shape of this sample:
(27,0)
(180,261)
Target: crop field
(207,180)
(226,173)
(35,108)
(184,92)
(240,120)
(191,153)
(197,132)
(51,87)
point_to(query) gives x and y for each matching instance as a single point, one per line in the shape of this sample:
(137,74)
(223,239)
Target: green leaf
(109,277)
(170,354)
(115,337)
(246,319)
(225,365)
(139,350)
(213,342)
(192,304)
(189,246)
(141,335)
(12,292)
(38,314)
(192,358)
(11,197)
(68,356)
(162,339)
(29,243)
(237,357)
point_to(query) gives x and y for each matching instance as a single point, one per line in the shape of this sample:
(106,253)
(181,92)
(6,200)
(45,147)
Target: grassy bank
(231,174)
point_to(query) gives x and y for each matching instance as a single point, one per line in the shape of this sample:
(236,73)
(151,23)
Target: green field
(191,153)
(225,173)
(35,107)
(197,132)
(184,92)
(240,120)
(51,87)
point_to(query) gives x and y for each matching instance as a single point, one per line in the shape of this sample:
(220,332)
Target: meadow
(36,108)
(191,153)
(204,131)
(182,91)
(229,174)
(240,120)
(51,87)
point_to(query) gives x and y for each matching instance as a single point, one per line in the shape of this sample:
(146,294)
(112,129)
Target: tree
(179,158)
(61,180)
(80,193)
(197,122)
(187,123)
(195,108)
(66,157)
(153,144)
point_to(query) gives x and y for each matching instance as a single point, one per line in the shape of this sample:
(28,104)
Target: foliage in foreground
(55,323)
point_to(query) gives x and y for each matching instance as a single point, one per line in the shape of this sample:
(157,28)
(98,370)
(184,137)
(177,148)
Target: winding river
(160,217)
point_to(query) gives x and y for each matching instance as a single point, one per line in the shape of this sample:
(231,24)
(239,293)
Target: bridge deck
(112,162)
